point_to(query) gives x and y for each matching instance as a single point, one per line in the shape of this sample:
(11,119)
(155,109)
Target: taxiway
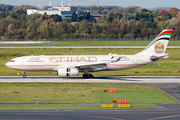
(100,79)
(170,112)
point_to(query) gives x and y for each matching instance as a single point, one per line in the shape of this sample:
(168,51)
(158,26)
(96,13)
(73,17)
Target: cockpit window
(12,61)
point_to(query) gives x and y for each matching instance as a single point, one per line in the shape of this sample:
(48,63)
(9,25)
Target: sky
(122,3)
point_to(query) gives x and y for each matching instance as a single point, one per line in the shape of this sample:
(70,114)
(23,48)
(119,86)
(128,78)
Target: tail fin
(159,44)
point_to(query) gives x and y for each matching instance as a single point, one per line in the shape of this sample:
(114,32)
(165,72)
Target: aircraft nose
(7,64)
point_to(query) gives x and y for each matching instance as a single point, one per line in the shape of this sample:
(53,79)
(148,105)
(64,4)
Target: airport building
(63,10)
(51,11)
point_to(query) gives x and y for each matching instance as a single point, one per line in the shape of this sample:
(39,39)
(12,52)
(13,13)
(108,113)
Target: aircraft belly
(33,68)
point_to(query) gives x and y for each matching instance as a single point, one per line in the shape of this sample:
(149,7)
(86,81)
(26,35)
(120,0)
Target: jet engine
(154,58)
(64,72)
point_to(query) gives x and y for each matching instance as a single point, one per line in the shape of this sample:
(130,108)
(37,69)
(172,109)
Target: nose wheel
(24,74)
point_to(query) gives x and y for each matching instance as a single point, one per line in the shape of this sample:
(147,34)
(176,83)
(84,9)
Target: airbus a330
(71,65)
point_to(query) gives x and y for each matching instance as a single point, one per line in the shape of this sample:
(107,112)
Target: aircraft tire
(91,76)
(85,76)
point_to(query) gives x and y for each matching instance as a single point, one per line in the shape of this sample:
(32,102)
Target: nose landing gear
(24,74)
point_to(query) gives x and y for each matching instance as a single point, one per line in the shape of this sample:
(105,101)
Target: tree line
(116,22)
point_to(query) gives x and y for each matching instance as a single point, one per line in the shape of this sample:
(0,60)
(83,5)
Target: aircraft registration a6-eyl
(71,65)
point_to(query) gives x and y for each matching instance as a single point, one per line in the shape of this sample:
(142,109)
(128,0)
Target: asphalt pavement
(167,112)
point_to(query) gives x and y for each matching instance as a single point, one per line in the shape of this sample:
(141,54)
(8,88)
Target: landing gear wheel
(24,76)
(91,76)
(85,76)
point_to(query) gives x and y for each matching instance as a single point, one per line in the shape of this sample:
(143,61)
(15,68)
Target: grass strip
(92,43)
(68,107)
(81,93)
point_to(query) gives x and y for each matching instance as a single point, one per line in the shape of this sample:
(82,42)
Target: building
(63,10)
(51,11)
(79,12)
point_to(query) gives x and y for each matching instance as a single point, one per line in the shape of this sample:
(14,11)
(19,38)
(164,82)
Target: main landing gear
(24,74)
(86,74)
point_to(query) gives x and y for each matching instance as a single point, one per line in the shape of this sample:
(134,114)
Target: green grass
(167,67)
(140,97)
(93,43)
(81,93)
(67,107)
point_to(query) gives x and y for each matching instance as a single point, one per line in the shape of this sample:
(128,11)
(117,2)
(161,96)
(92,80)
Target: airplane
(71,65)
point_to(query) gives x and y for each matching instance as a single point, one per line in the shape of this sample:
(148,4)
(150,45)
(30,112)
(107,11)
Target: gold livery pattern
(72,59)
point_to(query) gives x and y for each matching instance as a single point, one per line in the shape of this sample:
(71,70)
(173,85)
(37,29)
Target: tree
(105,11)
(10,34)
(144,32)
(110,14)
(178,16)
(173,12)
(74,17)
(84,27)
(57,18)
(155,13)
(130,9)
(96,30)
(129,35)
(163,12)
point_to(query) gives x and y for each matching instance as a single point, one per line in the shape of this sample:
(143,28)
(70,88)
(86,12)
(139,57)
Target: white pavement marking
(100,79)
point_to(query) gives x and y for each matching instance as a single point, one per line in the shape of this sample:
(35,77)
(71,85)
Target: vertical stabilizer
(159,44)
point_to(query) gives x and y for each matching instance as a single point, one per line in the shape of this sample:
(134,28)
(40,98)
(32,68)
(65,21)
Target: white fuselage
(50,63)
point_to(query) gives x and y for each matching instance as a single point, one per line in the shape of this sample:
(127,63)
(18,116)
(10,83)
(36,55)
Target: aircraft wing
(97,66)
(93,67)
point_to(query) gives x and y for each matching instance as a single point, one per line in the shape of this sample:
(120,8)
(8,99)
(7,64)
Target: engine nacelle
(64,72)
